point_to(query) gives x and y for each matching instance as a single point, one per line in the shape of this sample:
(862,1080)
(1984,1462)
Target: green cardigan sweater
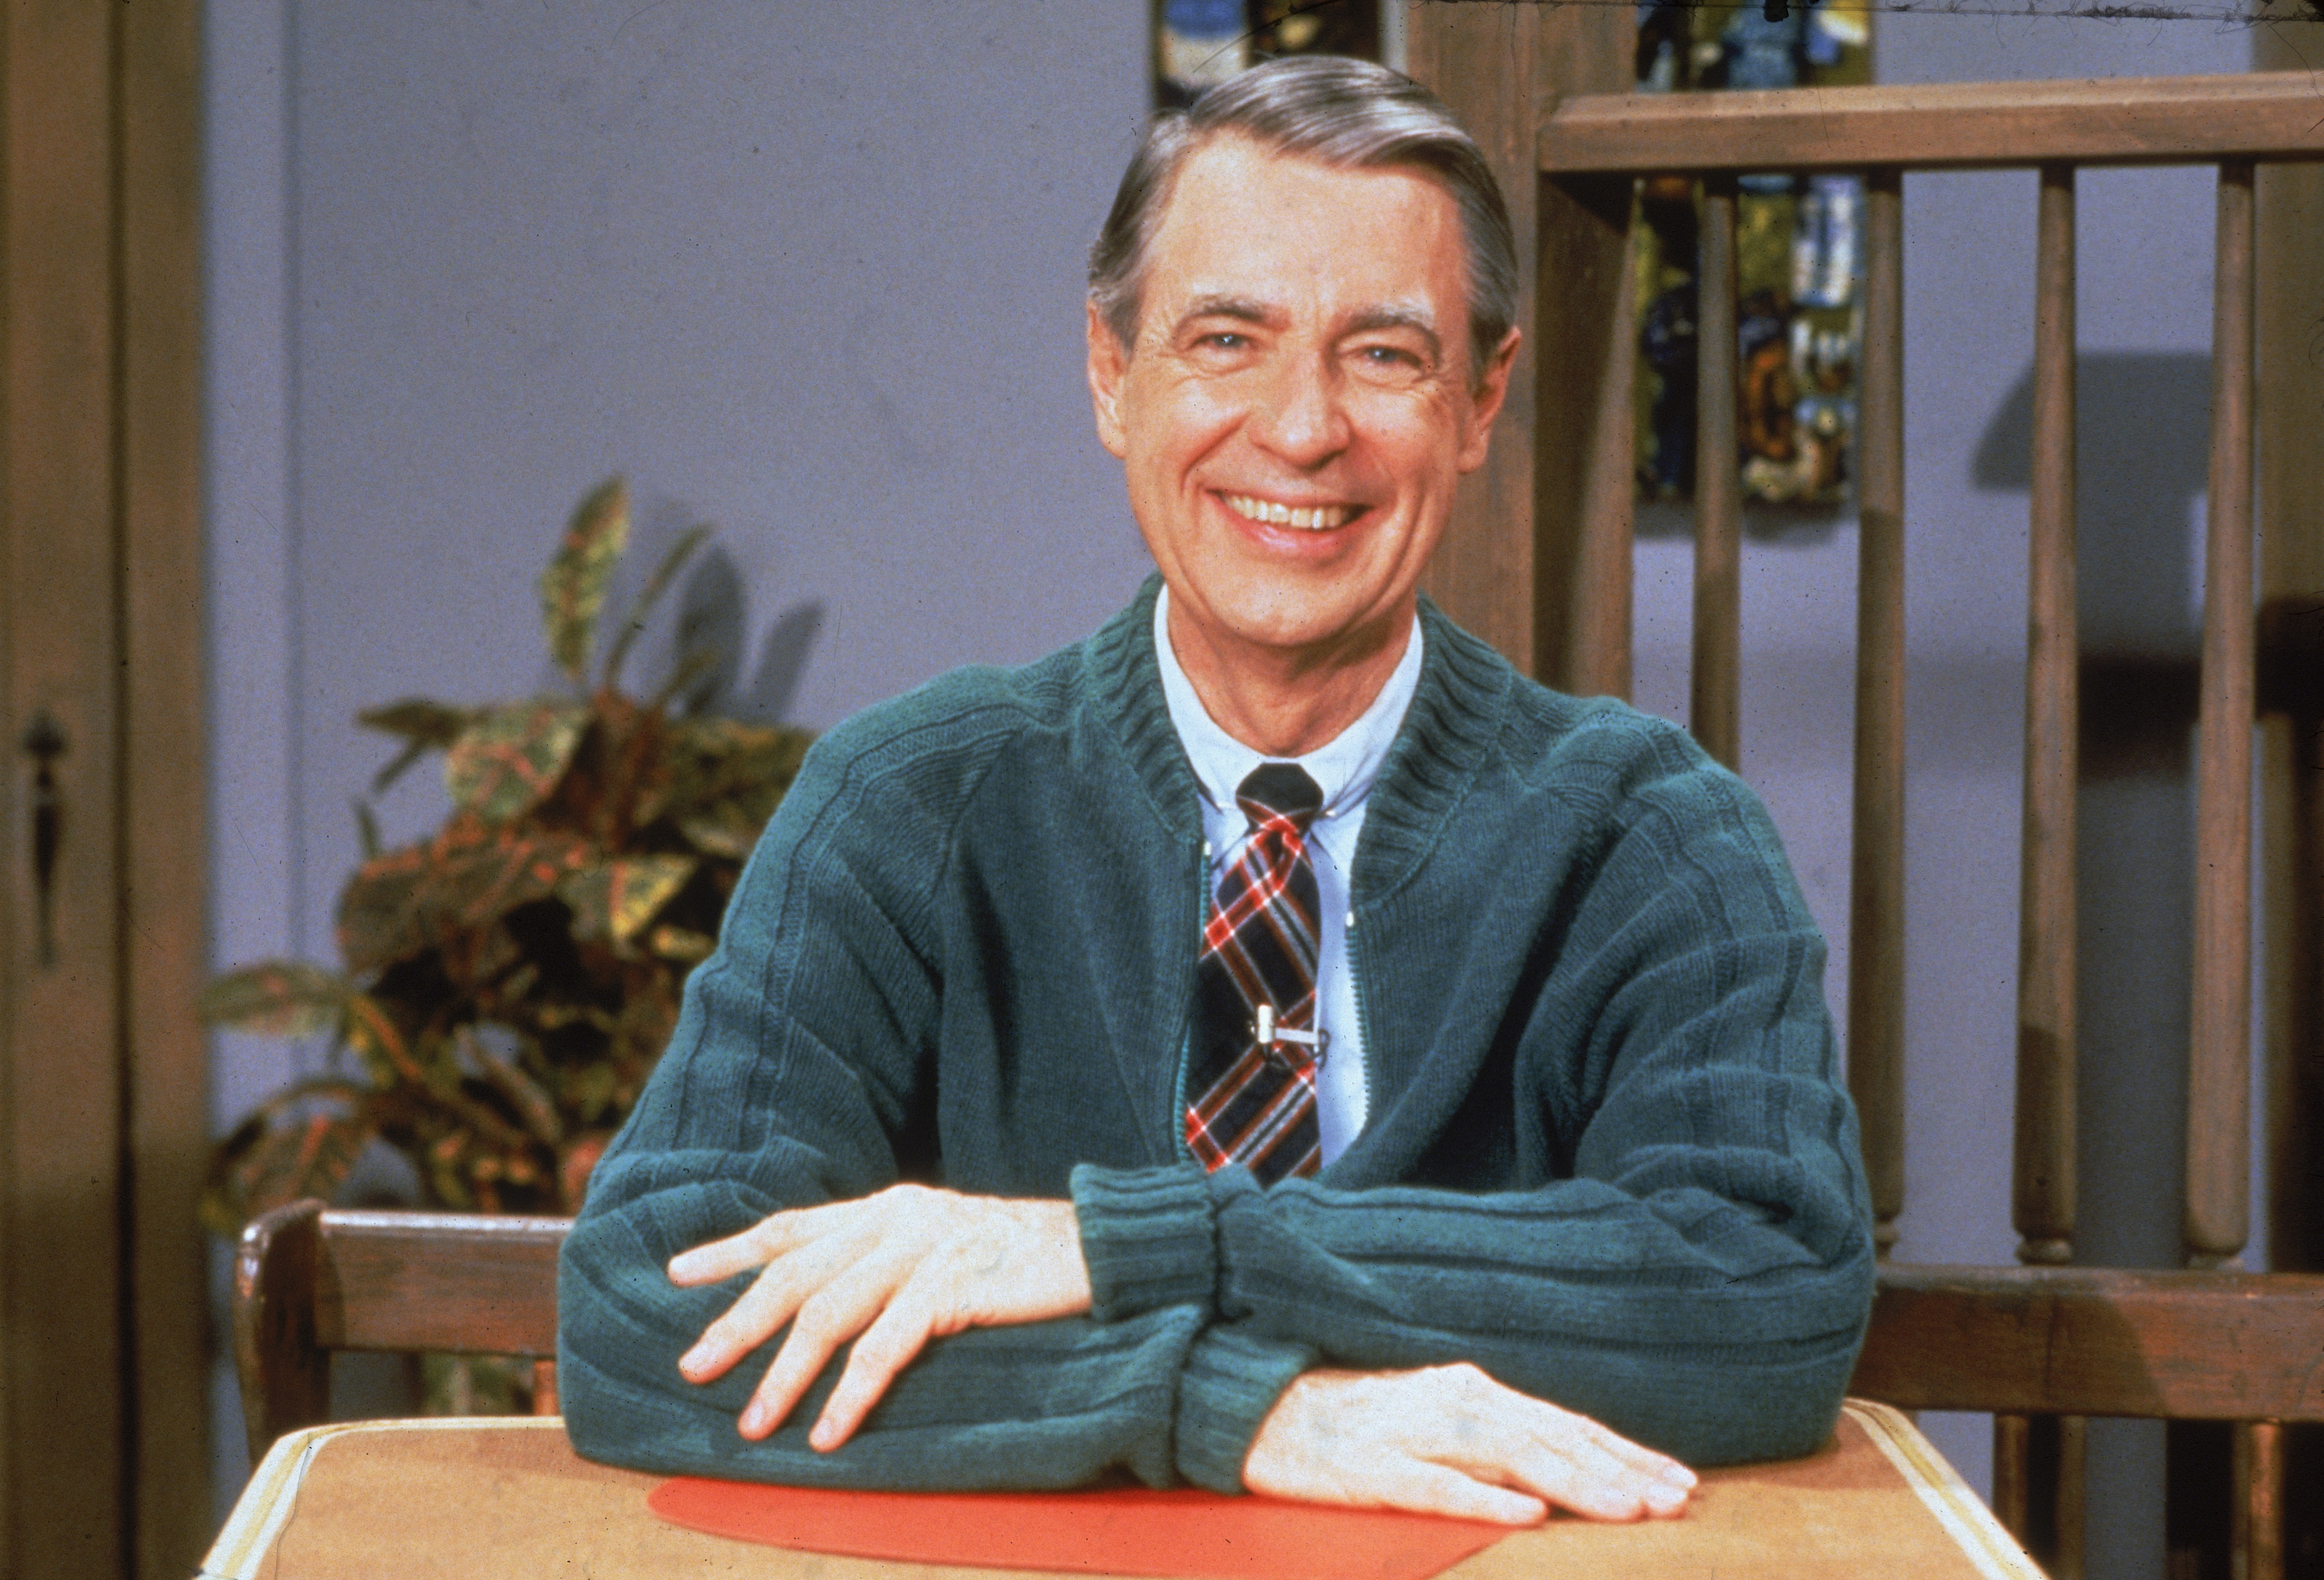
(1608,1157)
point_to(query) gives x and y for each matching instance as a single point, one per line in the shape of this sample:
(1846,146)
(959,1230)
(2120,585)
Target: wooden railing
(1591,145)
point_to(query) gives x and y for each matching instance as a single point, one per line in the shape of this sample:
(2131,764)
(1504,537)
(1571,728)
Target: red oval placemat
(1189,1534)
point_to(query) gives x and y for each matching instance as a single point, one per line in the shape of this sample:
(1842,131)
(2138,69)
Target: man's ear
(1107,362)
(1486,405)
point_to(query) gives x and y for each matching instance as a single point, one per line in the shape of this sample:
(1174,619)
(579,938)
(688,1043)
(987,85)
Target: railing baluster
(2042,1178)
(2257,1521)
(2219,1077)
(1876,921)
(2042,1196)
(1713,710)
(1597,661)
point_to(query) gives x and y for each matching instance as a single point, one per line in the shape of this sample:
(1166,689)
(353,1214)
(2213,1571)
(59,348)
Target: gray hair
(1346,113)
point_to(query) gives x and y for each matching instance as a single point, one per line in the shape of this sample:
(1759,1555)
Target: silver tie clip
(1269,1034)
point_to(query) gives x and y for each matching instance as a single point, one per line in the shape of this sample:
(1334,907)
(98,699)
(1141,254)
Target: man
(1330,1064)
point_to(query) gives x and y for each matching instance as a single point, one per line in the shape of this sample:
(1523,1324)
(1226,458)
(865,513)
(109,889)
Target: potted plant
(506,985)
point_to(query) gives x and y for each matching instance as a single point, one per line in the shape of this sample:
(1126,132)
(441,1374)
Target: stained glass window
(1198,42)
(1799,265)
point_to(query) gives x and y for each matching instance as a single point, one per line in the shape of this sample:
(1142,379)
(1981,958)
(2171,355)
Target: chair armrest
(286,1377)
(2097,1342)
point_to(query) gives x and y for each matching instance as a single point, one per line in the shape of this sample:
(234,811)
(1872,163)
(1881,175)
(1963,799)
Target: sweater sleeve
(802,1055)
(1694,1269)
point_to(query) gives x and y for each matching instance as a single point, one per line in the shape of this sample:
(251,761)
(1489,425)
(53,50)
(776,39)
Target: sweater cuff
(1231,1381)
(1146,1238)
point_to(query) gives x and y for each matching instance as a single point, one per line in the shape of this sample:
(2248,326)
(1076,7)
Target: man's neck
(1287,703)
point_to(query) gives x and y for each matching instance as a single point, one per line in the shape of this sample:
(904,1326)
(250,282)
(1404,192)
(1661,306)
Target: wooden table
(507,1496)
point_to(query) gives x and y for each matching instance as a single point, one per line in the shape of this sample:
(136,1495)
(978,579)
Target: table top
(454,1496)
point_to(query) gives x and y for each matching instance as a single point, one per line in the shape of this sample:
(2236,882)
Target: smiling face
(1299,403)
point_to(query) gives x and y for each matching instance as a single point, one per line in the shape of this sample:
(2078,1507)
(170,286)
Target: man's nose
(1302,417)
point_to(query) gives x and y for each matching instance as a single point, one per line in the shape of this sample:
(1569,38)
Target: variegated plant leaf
(464,881)
(573,587)
(589,1090)
(276,998)
(509,759)
(380,915)
(683,945)
(425,726)
(727,831)
(290,1148)
(617,900)
(478,885)
(642,604)
(507,1076)
(381,1044)
(420,720)
(729,775)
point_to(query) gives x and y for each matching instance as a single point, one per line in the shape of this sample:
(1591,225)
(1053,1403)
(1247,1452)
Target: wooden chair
(310,1281)
(1546,573)
(2060,1341)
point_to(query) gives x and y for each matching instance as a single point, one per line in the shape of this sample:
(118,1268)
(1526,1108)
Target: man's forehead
(1246,229)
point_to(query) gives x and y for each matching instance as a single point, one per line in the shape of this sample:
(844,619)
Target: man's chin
(1298,623)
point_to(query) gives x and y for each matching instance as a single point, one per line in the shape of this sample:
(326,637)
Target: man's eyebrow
(1398,318)
(1241,308)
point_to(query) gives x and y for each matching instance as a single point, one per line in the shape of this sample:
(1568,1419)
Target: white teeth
(1321,518)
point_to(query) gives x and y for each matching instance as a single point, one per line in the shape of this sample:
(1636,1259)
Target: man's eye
(1224,341)
(1389,364)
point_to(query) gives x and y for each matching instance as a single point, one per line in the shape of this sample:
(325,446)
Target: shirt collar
(1343,768)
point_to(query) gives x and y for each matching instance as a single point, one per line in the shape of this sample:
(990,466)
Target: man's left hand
(900,1268)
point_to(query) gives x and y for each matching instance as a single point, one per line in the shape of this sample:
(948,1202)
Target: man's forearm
(1046,1404)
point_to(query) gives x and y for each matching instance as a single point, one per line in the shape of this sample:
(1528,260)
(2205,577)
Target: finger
(886,1347)
(828,1318)
(1580,1477)
(1656,1467)
(1425,1487)
(1561,1430)
(1501,1436)
(755,1316)
(755,1246)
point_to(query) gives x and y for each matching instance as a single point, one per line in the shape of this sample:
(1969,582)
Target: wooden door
(103,1434)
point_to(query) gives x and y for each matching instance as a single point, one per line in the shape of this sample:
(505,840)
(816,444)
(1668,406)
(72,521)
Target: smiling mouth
(1318,518)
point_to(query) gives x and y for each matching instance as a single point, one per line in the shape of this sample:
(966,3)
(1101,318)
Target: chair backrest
(2067,1341)
(2026,1345)
(311,1281)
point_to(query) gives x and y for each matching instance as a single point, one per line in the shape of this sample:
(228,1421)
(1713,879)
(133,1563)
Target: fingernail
(694,1360)
(754,1422)
(1665,1499)
(1677,1474)
(824,1437)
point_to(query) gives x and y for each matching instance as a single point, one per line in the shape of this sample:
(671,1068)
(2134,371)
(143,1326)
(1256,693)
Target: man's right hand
(1449,1440)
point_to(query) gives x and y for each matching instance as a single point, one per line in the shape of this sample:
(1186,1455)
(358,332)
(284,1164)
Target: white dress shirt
(1343,770)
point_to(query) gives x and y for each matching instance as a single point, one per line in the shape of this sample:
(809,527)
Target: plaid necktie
(1256,1049)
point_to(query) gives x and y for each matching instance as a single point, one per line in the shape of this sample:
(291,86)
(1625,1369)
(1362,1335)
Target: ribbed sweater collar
(1455,712)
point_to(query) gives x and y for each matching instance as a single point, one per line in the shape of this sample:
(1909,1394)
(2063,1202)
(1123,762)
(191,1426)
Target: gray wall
(812,273)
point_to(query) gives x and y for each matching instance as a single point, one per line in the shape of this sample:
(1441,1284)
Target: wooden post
(1714,705)
(164,812)
(1876,910)
(104,1462)
(2042,1196)
(1505,569)
(61,1405)
(2042,1190)
(2219,1077)
(2289,269)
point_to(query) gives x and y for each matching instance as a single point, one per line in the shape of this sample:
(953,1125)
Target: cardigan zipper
(1363,1013)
